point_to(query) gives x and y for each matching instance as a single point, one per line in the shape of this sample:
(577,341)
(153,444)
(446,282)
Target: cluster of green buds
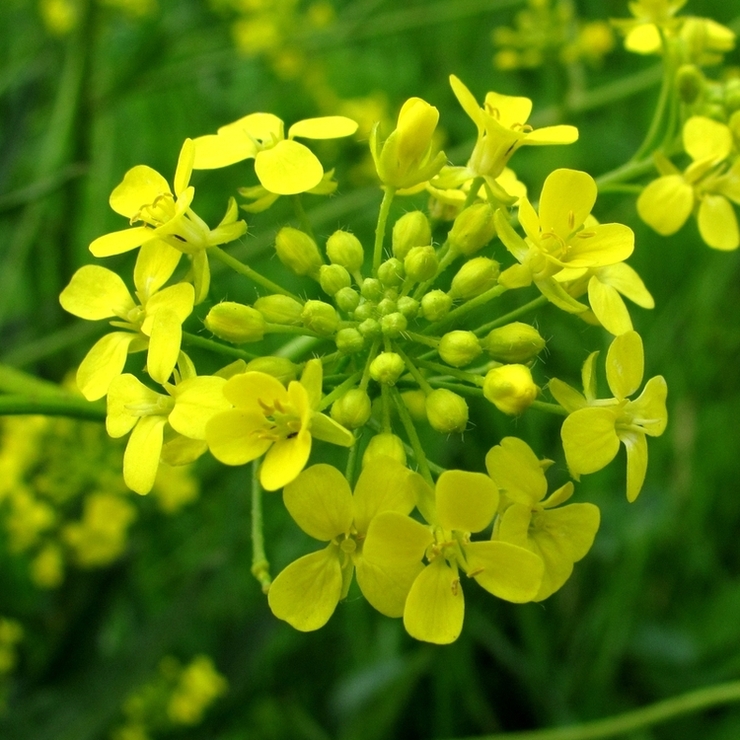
(391,336)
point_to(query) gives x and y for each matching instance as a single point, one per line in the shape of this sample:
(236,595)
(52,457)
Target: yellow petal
(103,362)
(182,450)
(718,223)
(602,245)
(197,400)
(529,220)
(588,376)
(386,588)
(311,380)
(567,198)
(141,186)
(126,391)
(176,298)
(285,460)
(265,127)
(94,293)
(320,502)
(625,364)
(666,203)
(569,398)
(637,461)
(435,607)
(551,135)
(467,101)
(465,501)
(164,345)
(184,166)
(505,570)
(306,593)
(141,459)
(325,127)
(328,430)
(383,485)
(247,390)
(648,410)
(513,526)
(706,139)
(395,540)
(589,439)
(288,168)
(511,111)
(622,277)
(234,436)
(118,242)
(201,276)
(644,39)
(516,471)
(155,264)
(221,150)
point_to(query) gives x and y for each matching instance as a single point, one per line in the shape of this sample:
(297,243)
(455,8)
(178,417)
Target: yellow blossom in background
(11,633)
(174,487)
(59,16)
(595,427)
(650,18)
(199,685)
(47,567)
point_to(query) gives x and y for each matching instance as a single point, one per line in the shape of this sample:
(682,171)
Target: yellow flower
(558,246)
(155,323)
(268,418)
(306,593)
(261,198)
(562,536)
(666,203)
(283,166)
(462,503)
(198,686)
(650,17)
(594,428)
(502,129)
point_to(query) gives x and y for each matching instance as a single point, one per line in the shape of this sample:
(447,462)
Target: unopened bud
(349,341)
(280,309)
(473,229)
(345,249)
(371,289)
(411,230)
(320,317)
(387,306)
(458,348)
(390,272)
(393,324)
(416,403)
(689,83)
(347,299)
(279,367)
(333,278)
(384,445)
(408,306)
(235,322)
(446,411)
(510,388)
(298,251)
(370,328)
(515,342)
(366,310)
(421,263)
(435,305)
(387,368)
(352,410)
(476,276)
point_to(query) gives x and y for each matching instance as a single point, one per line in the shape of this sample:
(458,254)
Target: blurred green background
(653,610)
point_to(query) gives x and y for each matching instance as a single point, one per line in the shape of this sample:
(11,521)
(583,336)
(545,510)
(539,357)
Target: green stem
(416,446)
(432,342)
(386,409)
(49,405)
(374,424)
(260,566)
(349,471)
(340,390)
(512,315)
(446,257)
(464,390)
(301,216)
(628,171)
(247,271)
(366,371)
(290,329)
(297,347)
(627,722)
(17,381)
(618,188)
(418,377)
(466,308)
(193,340)
(385,209)
(473,192)
(452,372)
(550,408)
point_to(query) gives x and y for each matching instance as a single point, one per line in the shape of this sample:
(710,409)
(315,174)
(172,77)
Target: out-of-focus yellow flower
(59,16)
(174,487)
(706,186)
(27,519)
(11,633)
(47,567)
(199,685)
(283,166)
(268,419)
(306,593)
(595,427)
(560,536)
(643,31)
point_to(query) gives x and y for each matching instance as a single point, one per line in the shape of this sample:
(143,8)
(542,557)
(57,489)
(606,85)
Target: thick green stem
(290,329)
(416,446)
(247,271)
(550,408)
(418,377)
(193,340)
(50,405)
(466,308)
(385,209)
(17,381)
(260,566)
(517,313)
(621,724)
(473,192)
(452,372)
(340,390)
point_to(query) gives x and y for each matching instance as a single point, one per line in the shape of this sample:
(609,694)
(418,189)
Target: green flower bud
(476,276)
(515,342)
(279,367)
(320,317)
(280,309)
(349,341)
(689,83)
(384,445)
(387,368)
(421,263)
(352,410)
(345,249)
(366,310)
(333,278)
(408,306)
(416,402)
(446,411)
(393,324)
(235,322)
(371,289)
(411,230)
(472,229)
(387,306)
(510,388)
(370,328)
(732,94)
(390,272)
(435,305)
(458,348)
(298,251)
(347,299)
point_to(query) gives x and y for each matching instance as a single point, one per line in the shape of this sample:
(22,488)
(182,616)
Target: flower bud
(458,348)
(280,309)
(366,310)
(371,289)
(384,445)
(421,263)
(279,367)
(416,402)
(345,249)
(689,83)
(408,306)
(235,322)
(435,305)
(349,341)
(472,229)
(320,317)
(515,342)
(347,299)
(370,328)
(476,276)
(352,410)
(390,272)
(387,306)
(333,278)
(298,251)
(387,368)
(411,230)
(393,324)
(446,411)
(510,388)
